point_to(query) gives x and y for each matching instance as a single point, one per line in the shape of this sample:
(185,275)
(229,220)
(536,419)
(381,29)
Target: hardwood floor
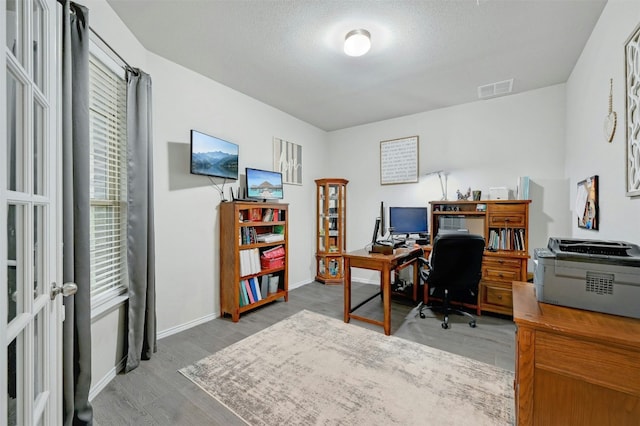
(156,394)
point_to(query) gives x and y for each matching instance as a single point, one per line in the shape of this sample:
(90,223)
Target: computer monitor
(409,220)
(376,228)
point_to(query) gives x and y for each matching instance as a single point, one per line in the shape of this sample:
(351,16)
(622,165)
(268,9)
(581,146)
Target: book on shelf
(248,235)
(264,285)
(274,282)
(255,261)
(267,215)
(506,239)
(249,292)
(241,297)
(270,237)
(250,261)
(255,289)
(244,297)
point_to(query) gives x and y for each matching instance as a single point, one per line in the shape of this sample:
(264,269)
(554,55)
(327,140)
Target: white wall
(187,226)
(587,152)
(480,145)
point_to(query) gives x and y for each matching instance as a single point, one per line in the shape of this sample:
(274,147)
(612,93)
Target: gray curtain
(140,228)
(75,223)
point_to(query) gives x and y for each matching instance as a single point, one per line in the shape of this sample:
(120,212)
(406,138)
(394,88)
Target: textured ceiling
(425,54)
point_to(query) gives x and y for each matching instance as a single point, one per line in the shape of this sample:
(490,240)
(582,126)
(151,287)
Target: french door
(30,219)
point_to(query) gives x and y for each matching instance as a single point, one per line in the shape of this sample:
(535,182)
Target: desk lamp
(443,184)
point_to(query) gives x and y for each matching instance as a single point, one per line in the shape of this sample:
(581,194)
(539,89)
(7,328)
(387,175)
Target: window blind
(108,133)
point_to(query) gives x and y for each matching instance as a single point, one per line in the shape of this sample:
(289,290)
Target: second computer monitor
(409,220)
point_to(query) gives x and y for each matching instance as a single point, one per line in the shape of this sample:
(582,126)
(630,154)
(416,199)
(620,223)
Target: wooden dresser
(574,367)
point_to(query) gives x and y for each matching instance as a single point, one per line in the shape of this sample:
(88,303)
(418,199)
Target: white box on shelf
(499,193)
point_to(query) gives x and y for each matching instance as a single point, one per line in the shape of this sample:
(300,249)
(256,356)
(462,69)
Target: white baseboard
(95,389)
(187,325)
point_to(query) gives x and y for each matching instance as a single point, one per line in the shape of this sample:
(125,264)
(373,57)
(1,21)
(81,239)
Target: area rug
(310,369)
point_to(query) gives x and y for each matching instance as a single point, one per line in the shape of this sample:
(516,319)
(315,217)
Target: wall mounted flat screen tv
(215,157)
(264,184)
(408,220)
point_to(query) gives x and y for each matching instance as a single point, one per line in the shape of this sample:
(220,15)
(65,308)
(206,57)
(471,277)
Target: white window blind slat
(107,108)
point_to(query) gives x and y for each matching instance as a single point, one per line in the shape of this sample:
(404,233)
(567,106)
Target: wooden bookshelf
(249,232)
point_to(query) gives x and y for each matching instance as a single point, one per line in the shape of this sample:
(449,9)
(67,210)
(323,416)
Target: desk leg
(385,279)
(347,289)
(416,280)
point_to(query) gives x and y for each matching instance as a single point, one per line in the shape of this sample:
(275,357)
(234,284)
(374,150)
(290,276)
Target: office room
(551,133)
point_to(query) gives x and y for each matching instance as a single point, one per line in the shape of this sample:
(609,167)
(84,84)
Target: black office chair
(453,272)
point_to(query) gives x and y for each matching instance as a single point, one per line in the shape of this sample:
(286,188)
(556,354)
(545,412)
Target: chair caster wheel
(422,315)
(472,324)
(445,325)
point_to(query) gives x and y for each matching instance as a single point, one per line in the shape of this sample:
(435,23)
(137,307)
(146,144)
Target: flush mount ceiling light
(357,42)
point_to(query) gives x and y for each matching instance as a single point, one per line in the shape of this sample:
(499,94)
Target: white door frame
(37,324)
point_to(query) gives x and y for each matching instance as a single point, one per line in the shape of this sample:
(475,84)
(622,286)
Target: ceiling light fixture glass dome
(357,42)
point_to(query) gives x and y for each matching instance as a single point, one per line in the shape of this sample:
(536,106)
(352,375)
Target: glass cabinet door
(331,230)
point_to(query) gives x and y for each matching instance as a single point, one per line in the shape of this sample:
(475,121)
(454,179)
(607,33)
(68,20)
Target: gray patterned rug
(310,369)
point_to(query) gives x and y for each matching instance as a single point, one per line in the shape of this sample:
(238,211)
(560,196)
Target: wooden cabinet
(505,226)
(253,255)
(574,367)
(331,201)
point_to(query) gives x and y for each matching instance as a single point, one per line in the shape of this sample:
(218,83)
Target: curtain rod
(126,64)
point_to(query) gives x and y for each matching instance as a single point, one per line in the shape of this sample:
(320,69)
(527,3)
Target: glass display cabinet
(331,197)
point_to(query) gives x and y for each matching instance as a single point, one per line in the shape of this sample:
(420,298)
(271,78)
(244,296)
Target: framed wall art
(399,161)
(287,159)
(632,106)
(587,203)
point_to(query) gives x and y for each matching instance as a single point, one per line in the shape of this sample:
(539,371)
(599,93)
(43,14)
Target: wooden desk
(385,263)
(574,367)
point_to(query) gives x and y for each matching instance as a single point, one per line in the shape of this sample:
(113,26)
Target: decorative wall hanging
(632,107)
(287,159)
(587,203)
(611,119)
(399,161)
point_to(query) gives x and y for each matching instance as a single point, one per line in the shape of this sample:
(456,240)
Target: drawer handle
(500,275)
(500,297)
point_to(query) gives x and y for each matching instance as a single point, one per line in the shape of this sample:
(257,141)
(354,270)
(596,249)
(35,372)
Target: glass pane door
(28,258)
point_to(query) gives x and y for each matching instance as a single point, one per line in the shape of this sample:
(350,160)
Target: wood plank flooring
(156,394)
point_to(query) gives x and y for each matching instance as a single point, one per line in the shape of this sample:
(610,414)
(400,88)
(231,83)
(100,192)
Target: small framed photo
(587,203)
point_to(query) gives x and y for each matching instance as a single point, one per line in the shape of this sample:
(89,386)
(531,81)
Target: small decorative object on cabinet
(504,224)
(331,229)
(253,255)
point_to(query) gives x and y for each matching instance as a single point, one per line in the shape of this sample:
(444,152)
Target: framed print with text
(399,161)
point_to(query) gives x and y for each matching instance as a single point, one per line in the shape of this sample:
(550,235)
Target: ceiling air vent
(495,89)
